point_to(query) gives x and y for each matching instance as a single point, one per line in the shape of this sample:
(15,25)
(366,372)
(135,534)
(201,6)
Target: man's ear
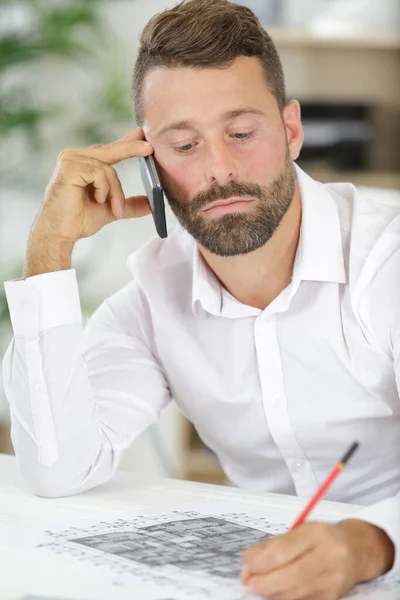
(291,115)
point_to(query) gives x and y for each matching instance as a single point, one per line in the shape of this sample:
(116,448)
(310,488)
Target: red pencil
(327,483)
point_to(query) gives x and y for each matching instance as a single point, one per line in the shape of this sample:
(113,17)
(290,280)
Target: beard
(237,233)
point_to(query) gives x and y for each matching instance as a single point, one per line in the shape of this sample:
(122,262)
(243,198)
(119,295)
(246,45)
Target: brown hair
(205,33)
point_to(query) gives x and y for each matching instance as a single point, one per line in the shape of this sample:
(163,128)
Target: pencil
(324,487)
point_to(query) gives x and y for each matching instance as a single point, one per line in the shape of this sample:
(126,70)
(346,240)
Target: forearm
(46,254)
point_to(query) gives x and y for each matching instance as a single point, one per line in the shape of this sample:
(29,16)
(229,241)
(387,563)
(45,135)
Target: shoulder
(162,271)
(370,223)
(364,212)
(159,254)
(161,281)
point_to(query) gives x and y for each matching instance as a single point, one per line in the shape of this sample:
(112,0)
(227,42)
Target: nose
(221,167)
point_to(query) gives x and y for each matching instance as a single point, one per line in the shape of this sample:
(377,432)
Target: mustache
(218,192)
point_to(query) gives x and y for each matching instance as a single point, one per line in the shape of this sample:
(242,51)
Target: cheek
(182,176)
(262,161)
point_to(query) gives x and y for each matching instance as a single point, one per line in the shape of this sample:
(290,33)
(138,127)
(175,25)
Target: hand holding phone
(154,193)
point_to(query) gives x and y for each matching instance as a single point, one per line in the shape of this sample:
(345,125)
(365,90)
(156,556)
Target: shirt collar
(206,289)
(319,255)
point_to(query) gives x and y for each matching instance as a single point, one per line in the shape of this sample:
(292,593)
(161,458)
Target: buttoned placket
(273,393)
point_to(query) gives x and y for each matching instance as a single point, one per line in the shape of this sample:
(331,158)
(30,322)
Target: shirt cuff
(386,515)
(43,301)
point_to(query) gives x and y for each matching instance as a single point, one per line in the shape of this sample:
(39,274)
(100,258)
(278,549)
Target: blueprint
(194,552)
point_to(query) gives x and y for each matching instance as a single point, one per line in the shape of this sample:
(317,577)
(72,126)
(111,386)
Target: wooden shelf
(5,439)
(200,466)
(306,38)
(375,179)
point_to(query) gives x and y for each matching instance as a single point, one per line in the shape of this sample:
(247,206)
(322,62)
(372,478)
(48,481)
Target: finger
(86,173)
(117,196)
(279,551)
(105,182)
(104,179)
(129,146)
(133,134)
(245,574)
(101,187)
(104,212)
(136,206)
(299,579)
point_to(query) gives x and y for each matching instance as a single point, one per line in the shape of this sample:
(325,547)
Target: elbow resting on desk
(70,474)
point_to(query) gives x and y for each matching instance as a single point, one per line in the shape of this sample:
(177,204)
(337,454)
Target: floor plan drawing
(191,553)
(194,554)
(210,545)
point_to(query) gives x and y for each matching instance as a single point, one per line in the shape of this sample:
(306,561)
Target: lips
(226,202)
(228,206)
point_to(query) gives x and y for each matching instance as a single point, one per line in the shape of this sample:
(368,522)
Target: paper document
(192,552)
(42,598)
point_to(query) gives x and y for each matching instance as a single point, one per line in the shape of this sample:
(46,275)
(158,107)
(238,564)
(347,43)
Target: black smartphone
(154,193)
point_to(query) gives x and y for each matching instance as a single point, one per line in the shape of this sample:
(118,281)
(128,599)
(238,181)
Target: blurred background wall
(65,69)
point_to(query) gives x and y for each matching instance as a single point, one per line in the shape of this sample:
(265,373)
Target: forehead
(200,93)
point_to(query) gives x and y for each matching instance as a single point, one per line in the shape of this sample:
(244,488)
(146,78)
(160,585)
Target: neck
(257,278)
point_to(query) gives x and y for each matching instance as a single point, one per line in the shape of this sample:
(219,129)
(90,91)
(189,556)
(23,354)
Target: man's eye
(243,136)
(184,148)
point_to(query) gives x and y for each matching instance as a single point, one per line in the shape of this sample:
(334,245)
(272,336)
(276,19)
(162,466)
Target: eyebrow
(227,116)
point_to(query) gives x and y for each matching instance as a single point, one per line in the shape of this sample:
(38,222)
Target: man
(270,313)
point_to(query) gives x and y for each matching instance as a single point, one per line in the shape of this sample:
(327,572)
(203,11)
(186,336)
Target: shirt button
(299,464)
(36,387)
(275,400)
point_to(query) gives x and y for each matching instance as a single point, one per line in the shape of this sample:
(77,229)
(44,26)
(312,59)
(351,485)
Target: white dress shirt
(278,394)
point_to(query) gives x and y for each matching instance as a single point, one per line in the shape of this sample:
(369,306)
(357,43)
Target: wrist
(372,548)
(47,253)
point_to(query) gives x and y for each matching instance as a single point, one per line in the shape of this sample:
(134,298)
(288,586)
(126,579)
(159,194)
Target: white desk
(25,572)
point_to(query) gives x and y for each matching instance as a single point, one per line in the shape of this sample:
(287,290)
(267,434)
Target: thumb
(136,206)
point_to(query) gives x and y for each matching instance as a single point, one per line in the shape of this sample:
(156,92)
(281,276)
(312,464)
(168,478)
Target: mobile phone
(154,193)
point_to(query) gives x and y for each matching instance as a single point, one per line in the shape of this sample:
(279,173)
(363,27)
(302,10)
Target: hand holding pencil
(318,560)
